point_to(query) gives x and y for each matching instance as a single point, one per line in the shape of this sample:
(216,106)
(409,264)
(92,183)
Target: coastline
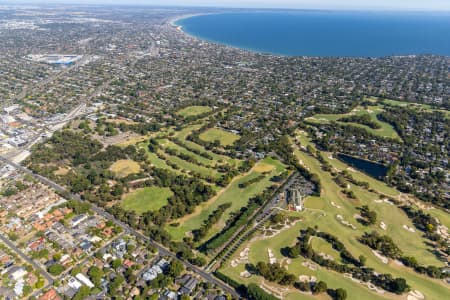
(172,22)
(415,49)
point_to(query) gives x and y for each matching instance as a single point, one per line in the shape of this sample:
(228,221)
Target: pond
(373,169)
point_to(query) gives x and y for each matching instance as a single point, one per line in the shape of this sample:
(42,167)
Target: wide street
(162,250)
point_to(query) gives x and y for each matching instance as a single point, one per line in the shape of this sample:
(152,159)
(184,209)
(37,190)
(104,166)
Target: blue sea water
(326,33)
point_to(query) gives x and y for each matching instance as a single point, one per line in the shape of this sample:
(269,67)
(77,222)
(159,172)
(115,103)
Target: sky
(427,5)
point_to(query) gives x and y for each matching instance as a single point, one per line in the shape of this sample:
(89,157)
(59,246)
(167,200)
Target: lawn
(416,106)
(156,161)
(258,252)
(225,138)
(146,199)
(373,183)
(170,145)
(321,246)
(320,212)
(125,167)
(386,129)
(410,243)
(188,166)
(193,111)
(182,135)
(238,197)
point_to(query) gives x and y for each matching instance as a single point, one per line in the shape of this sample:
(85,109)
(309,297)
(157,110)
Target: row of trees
(242,218)
(364,119)
(213,218)
(351,264)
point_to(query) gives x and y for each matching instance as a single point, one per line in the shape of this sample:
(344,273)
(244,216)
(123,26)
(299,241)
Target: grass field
(322,211)
(417,106)
(146,199)
(125,167)
(224,137)
(182,135)
(321,246)
(170,145)
(373,183)
(233,194)
(193,111)
(185,165)
(386,129)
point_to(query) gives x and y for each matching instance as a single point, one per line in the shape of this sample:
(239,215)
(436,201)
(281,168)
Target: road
(27,259)
(162,250)
(258,218)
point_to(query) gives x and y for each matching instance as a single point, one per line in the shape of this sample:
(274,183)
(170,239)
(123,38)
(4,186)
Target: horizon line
(348,9)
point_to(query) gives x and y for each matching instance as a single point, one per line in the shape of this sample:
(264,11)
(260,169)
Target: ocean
(326,33)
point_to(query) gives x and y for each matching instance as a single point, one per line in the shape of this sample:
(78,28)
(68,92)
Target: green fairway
(231,194)
(416,106)
(170,145)
(156,161)
(224,137)
(386,129)
(193,111)
(259,252)
(182,135)
(322,212)
(321,246)
(373,183)
(410,243)
(191,167)
(146,199)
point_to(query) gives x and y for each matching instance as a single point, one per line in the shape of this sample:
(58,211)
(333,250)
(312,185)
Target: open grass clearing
(433,289)
(132,139)
(231,194)
(442,216)
(120,121)
(170,145)
(125,167)
(146,199)
(61,171)
(373,183)
(182,136)
(191,167)
(259,252)
(225,138)
(416,106)
(386,129)
(194,110)
(321,246)
(410,243)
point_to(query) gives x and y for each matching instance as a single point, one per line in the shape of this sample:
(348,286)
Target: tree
(56,269)
(82,293)
(95,274)
(309,251)
(294,252)
(116,263)
(175,268)
(399,285)
(362,260)
(319,287)
(254,292)
(340,294)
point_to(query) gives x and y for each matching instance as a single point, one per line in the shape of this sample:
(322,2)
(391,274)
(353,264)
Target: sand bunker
(335,205)
(344,222)
(410,229)
(384,259)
